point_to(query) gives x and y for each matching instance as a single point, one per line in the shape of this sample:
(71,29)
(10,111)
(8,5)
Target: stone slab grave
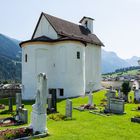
(68,108)
(52,101)
(89,106)
(114,105)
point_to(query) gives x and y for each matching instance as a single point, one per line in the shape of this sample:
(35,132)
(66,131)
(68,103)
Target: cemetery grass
(87,126)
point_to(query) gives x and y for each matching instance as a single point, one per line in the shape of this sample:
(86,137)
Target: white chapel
(68,53)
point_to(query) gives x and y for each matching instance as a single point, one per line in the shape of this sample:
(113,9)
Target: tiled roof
(69,29)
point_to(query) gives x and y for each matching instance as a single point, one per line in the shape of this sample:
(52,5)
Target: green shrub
(57,117)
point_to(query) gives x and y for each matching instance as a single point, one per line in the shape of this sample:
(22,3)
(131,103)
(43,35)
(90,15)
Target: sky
(117,22)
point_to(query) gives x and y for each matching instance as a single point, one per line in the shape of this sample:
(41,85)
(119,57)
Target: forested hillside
(10,59)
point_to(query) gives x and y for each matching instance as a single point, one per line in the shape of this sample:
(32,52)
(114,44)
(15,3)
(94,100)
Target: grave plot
(37,127)
(21,116)
(114,105)
(89,106)
(16,133)
(68,113)
(137,117)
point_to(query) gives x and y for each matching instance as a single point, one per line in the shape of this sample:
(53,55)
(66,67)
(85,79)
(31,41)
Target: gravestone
(18,100)
(90,99)
(52,101)
(109,94)
(137,95)
(38,115)
(116,106)
(23,114)
(49,102)
(68,108)
(10,104)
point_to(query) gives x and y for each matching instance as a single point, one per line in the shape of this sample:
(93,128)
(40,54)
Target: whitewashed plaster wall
(59,62)
(45,28)
(93,66)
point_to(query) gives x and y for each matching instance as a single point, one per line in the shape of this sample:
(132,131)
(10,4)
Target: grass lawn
(87,126)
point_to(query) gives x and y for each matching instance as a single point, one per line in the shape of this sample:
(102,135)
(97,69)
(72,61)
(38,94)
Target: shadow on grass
(70,119)
(120,114)
(60,100)
(29,102)
(4,112)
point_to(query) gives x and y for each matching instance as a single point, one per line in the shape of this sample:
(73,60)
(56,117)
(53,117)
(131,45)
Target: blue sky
(117,22)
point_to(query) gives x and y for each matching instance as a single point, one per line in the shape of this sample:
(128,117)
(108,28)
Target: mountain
(133,61)
(111,61)
(10,59)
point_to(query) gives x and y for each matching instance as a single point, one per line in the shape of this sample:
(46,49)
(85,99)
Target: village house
(69,54)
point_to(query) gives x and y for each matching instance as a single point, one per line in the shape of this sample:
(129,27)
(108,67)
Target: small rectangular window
(78,55)
(61,92)
(86,23)
(26,58)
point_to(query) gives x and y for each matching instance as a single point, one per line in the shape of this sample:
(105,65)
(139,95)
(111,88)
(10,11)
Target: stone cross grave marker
(90,96)
(120,94)
(68,108)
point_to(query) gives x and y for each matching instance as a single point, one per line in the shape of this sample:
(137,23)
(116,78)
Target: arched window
(26,57)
